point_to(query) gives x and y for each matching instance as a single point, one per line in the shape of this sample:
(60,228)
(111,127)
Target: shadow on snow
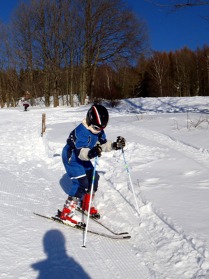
(58,264)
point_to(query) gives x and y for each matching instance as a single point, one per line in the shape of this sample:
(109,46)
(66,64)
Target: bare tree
(72,38)
(158,70)
(22,27)
(8,74)
(49,43)
(2,62)
(112,34)
(38,29)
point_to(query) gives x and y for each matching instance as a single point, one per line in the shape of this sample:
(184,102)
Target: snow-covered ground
(168,158)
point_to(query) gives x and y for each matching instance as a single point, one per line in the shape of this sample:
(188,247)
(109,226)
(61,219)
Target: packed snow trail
(33,178)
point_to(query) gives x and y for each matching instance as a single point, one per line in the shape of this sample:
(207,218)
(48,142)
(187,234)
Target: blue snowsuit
(75,159)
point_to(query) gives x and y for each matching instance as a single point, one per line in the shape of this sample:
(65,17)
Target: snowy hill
(167,153)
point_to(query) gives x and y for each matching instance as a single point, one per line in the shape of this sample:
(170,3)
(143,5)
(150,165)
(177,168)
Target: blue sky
(174,30)
(167,31)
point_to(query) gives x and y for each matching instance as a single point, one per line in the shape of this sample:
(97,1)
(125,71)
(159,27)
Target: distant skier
(25,105)
(85,142)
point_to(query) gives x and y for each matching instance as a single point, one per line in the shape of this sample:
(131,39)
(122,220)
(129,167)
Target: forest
(94,48)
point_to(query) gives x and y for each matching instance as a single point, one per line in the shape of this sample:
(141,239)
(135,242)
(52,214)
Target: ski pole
(91,193)
(130,180)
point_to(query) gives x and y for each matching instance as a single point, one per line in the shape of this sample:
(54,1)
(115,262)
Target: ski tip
(127,237)
(83,246)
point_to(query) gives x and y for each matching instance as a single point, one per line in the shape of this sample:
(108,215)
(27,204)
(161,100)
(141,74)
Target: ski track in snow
(158,249)
(199,155)
(165,247)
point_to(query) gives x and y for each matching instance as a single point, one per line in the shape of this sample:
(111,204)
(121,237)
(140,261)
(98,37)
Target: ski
(103,225)
(55,219)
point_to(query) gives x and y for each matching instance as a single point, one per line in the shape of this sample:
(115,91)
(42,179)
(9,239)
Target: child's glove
(119,144)
(95,151)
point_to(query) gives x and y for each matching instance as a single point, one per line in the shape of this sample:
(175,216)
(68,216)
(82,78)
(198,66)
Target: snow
(167,157)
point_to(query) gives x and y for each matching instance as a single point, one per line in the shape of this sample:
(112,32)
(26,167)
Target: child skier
(85,142)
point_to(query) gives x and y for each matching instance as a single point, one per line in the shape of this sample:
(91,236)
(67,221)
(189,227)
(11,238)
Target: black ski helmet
(97,115)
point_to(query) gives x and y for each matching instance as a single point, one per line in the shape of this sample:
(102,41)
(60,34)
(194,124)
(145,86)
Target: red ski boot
(85,207)
(68,213)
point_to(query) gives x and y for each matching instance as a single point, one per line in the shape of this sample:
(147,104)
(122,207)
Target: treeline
(180,73)
(94,48)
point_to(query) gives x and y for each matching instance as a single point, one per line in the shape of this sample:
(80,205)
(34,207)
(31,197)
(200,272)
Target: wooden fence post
(43,129)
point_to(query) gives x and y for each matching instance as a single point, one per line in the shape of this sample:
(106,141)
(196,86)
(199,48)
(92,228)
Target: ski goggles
(96,128)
